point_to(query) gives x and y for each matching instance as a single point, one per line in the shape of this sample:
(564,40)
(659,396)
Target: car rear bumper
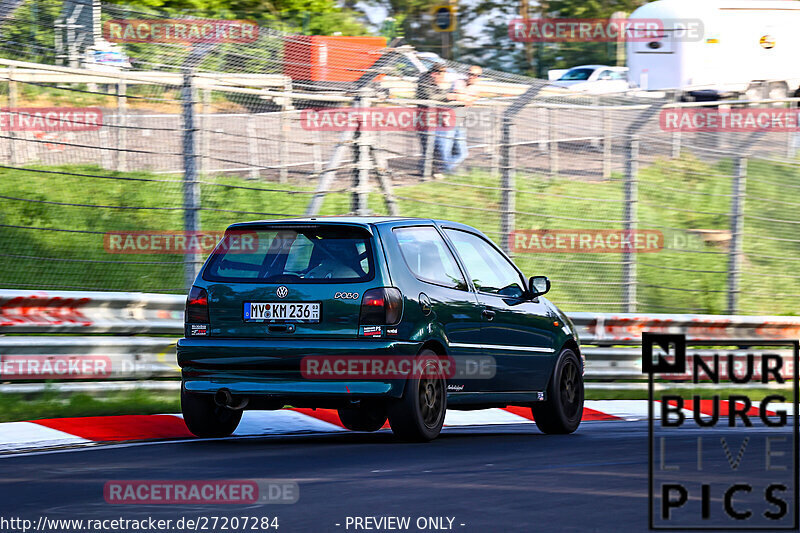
(271,368)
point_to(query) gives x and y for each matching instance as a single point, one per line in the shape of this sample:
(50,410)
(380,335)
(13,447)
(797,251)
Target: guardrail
(90,312)
(626,328)
(608,339)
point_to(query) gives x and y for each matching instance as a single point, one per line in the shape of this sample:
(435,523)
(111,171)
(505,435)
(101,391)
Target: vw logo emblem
(282,292)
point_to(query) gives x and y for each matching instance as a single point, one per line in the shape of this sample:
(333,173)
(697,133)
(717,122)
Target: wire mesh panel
(194,131)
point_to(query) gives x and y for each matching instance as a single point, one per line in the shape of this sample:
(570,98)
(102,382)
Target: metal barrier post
(737,226)
(630,218)
(191,188)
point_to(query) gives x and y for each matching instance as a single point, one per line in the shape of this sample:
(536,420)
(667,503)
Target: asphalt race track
(496,478)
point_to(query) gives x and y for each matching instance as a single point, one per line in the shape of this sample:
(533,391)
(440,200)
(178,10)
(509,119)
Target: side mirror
(538,285)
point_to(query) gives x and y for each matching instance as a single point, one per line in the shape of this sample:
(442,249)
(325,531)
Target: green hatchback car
(378,317)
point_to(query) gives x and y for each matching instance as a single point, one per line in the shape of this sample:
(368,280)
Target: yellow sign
(767,41)
(444,18)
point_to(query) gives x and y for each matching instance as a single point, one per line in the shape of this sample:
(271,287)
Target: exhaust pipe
(224,398)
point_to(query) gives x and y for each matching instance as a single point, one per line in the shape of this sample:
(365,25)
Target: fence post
(739,184)
(13,156)
(285,124)
(363,163)
(496,136)
(606,143)
(791,148)
(191,188)
(122,122)
(507,185)
(630,222)
(252,148)
(205,131)
(316,151)
(508,198)
(428,153)
(107,156)
(552,144)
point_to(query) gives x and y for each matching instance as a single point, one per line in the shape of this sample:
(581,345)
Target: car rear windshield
(298,254)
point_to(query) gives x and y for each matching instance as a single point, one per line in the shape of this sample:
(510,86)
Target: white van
(718,48)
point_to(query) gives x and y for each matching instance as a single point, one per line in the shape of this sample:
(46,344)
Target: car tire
(204,418)
(561,413)
(366,418)
(419,415)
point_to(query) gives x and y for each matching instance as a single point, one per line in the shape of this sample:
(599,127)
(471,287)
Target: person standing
(455,145)
(433,87)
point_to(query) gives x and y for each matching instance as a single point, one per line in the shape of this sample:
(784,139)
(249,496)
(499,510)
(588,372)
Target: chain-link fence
(203,132)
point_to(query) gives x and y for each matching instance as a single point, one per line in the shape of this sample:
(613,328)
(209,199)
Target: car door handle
(488,313)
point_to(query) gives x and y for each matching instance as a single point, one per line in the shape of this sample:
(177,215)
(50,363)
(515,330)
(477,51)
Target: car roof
(357,220)
(598,66)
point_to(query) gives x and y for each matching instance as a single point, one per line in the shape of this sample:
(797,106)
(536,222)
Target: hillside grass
(677,197)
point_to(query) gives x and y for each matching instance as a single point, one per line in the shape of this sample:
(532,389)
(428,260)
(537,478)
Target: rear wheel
(365,418)
(419,414)
(205,418)
(562,411)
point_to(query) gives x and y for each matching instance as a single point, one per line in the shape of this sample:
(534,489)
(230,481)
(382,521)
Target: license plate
(281,312)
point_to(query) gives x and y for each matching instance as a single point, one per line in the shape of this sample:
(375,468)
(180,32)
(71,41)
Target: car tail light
(381,307)
(197,307)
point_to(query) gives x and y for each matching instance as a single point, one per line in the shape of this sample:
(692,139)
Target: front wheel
(419,414)
(562,411)
(205,418)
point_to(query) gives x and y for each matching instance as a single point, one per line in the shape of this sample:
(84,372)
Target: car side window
(605,75)
(489,270)
(428,257)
